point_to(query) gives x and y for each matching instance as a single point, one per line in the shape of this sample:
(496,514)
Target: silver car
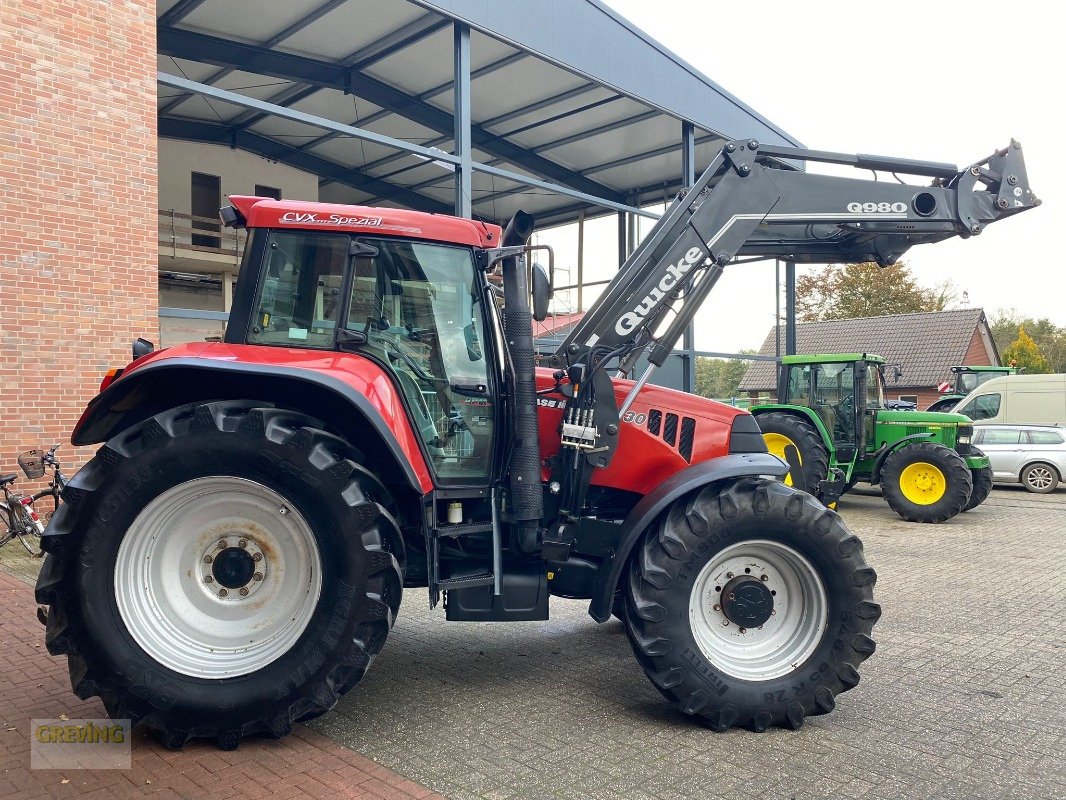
(1033,455)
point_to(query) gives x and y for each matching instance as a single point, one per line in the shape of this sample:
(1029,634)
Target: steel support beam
(790,308)
(237,55)
(277,38)
(688,178)
(464,185)
(179,11)
(622,239)
(399,39)
(210,133)
(387,141)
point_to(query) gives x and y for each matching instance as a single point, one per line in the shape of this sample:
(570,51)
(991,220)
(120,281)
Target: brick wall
(977,353)
(77,208)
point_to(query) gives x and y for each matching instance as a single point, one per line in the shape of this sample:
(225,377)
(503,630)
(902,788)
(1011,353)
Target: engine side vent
(912,429)
(655,421)
(688,436)
(670,429)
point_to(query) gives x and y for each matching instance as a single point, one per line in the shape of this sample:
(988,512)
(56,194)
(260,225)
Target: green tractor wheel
(926,482)
(982,483)
(797,441)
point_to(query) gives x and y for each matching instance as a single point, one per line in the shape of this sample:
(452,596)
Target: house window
(267,191)
(206,200)
(912,398)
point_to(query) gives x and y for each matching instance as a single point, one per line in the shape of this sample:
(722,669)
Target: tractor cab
(842,391)
(964,379)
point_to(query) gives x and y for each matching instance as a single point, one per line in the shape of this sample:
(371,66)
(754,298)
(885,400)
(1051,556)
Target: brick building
(124,126)
(78,277)
(926,345)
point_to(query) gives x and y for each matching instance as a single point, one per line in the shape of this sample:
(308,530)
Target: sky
(937,81)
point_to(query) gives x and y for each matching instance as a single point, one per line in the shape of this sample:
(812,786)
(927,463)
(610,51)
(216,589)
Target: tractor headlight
(965,434)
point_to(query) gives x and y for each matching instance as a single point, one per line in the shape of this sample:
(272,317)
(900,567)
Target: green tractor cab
(963,381)
(831,425)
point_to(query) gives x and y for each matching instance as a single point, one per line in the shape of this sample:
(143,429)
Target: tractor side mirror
(897,373)
(542,292)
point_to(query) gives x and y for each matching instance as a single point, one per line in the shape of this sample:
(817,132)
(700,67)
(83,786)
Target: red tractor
(232,559)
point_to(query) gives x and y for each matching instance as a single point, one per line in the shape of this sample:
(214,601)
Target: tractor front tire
(926,482)
(793,438)
(982,483)
(750,604)
(219,571)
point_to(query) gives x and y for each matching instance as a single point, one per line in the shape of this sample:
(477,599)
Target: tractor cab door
(420,306)
(833,400)
(870,388)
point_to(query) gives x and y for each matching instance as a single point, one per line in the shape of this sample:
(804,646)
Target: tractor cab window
(968,381)
(799,386)
(875,389)
(299,298)
(419,306)
(833,399)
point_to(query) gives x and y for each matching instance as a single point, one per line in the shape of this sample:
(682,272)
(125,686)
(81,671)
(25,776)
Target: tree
(718,377)
(1024,354)
(1050,339)
(866,290)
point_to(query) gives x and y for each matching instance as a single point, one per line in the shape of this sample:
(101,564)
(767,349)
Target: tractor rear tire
(219,571)
(982,483)
(926,482)
(782,432)
(776,557)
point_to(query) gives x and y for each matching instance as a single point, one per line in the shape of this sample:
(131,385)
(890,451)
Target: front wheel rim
(233,619)
(923,483)
(787,638)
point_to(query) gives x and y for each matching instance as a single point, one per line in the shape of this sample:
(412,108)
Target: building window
(267,191)
(206,200)
(911,398)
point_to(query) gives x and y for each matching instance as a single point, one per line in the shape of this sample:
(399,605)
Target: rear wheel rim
(1038,477)
(195,623)
(777,444)
(923,483)
(790,635)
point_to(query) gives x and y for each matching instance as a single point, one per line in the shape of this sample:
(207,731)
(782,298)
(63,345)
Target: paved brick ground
(35,685)
(964,698)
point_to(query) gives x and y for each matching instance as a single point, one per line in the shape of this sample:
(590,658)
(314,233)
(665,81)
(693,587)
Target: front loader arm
(743,207)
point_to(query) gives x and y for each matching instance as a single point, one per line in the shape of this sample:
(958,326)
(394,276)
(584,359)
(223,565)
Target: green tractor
(963,381)
(831,426)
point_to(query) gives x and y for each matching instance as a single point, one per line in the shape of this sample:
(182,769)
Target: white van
(1018,399)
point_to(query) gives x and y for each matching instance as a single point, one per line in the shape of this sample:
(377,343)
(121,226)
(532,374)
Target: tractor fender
(386,438)
(886,451)
(799,411)
(735,465)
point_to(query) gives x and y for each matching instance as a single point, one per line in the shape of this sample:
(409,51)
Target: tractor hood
(925,418)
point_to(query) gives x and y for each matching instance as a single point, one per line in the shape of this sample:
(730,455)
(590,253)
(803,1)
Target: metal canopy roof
(567,92)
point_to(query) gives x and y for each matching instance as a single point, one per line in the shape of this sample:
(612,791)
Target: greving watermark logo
(80,744)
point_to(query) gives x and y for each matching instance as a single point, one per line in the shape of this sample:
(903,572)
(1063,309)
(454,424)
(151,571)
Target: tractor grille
(655,421)
(688,436)
(670,429)
(667,429)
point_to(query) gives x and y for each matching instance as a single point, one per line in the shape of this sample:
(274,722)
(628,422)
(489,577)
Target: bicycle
(18,511)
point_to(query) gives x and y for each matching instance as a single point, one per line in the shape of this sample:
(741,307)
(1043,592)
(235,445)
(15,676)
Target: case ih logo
(629,321)
(309,218)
